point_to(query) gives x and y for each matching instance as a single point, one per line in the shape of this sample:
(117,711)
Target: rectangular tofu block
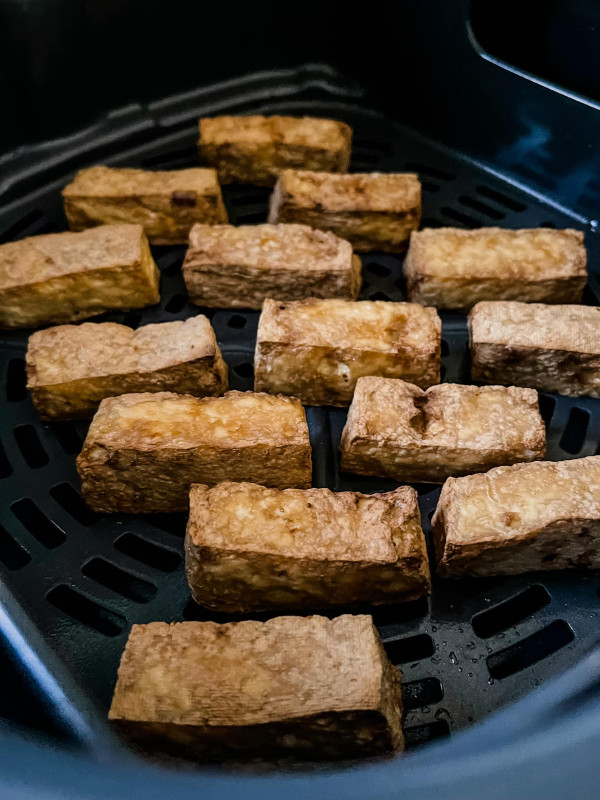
(255,149)
(317,349)
(229,267)
(303,687)
(453,268)
(143,451)
(374,211)
(396,430)
(63,277)
(551,348)
(166,203)
(71,368)
(544,515)
(249,548)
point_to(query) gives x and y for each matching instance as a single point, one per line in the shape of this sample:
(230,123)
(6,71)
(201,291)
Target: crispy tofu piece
(544,515)
(229,267)
(63,277)
(167,203)
(255,149)
(551,348)
(303,687)
(317,349)
(396,430)
(71,368)
(143,451)
(374,211)
(453,268)
(249,548)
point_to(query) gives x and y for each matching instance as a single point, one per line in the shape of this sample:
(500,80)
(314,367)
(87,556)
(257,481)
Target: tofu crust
(304,687)
(254,149)
(71,368)
(396,430)
(165,203)
(249,548)
(64,277)
(374,211)
(539,516)
(550,348)
(454,268)
(238,267)
(317,349)
(144,451)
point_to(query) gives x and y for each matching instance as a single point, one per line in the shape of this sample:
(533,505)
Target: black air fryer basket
(501,675)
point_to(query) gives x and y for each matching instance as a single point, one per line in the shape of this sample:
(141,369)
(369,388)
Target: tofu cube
(63,277)
(317,349)
(303,687)
(396,430)
(255,149)
(374,211)
(539,516)
(166,203)
(144,451)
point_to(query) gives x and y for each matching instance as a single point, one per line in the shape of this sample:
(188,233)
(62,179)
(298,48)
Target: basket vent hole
(369,152)
(237,321)
(248,196)
(429,186)
(12,555)
(180,157)
(403,612)
(410,648)
(420,734)
(174,524)
(445,348)
(380,270)
(431,172)
(462,219)
(148,553)
(71,501)
(548,224)
(425,692)
(378,296)
(119,580)
(483,208)
(501,199)
(132,319)
(193,612)
(547,406)
(574,434)
(38,524)
(21,225)
(176,303)
(530,650)
(30,446)
(508,613)
(68,437)
(83,609)
(244,370)
(5,467)
(16,380)
(250,217)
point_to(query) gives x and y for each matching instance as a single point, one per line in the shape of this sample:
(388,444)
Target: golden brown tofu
(317,349)
(304,687)
(229,267)
(255,149)
(374,211)
(143,451)
(544,515)
(63,277)
(454,268)
(249,548)
(166,204)
(550,348)
(396,430)
(71,368)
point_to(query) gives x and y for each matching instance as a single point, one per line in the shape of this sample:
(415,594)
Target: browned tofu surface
(71,368)
(165,203)
(551,348)
(307,687)
(237,267)
(396,430)
(143,451)
(249,548)
(374,211)
(454,268)
(317,349)
(255,149)
(544,515)
(63,277)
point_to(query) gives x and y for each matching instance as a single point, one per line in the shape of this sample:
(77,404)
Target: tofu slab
(63,277)
(304,687)
(454,269)
(237,267)
(249,548)
(551,348)
(396,430)
(71,368)
(374,211)
(255,149)
(166,203)
(143,451)
(317,349)
(539,516)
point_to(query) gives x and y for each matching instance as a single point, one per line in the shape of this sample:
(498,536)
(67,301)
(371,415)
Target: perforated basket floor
(84,578)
